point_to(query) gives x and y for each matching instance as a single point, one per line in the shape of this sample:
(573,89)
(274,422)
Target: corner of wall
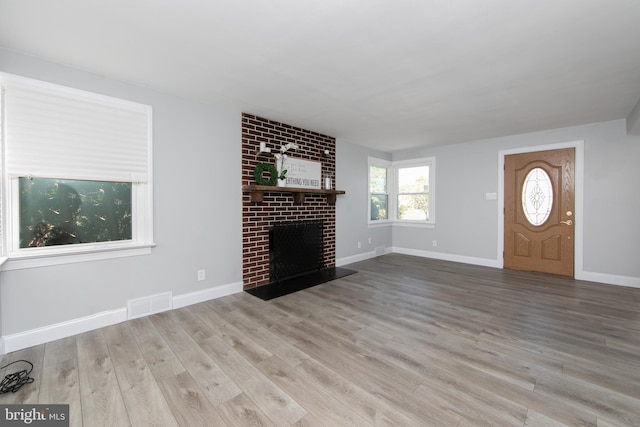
(633,120)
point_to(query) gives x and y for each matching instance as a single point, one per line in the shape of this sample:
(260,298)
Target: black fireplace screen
(295,248)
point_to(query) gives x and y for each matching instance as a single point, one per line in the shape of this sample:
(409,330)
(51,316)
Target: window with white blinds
(60,133)
(56,131)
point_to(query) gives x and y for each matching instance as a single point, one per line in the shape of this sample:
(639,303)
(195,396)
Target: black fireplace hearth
(289,286)
(296,259)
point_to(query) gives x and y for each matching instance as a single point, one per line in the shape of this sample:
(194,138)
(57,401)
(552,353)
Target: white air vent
(145,306)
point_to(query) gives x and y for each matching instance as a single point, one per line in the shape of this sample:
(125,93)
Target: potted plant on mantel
(280,158)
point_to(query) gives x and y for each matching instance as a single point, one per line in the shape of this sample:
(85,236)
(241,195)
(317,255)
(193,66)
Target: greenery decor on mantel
(275,176)
(282,156)
(258,174)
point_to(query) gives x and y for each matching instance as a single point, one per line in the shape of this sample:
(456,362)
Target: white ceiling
(389,74)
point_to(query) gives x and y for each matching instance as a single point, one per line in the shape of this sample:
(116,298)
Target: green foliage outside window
(58,212)
(378,191)
(413,207)
(379,207)
(377,179)
(413,197)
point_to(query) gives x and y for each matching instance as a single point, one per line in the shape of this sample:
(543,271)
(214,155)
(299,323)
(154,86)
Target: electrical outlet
(359,245)
(201,275)
(369,240)
(435,243)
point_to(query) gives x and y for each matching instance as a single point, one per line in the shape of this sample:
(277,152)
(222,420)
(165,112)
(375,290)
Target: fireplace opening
(295,248)
(296,259)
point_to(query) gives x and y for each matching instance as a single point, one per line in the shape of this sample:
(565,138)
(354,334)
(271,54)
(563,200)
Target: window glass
(413,193)
(379,207)
(413,179)
(377,179)
(402,192)
(59,212)
(413,207)
(537,196)
(378,193)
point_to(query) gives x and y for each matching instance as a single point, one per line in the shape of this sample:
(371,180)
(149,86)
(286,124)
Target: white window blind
(60,132)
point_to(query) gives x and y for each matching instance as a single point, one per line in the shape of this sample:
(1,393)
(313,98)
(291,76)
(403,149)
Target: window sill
(387,223)
(414,224)
(380,223)
(89,253)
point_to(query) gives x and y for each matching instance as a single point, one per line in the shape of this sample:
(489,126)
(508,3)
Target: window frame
(393,192)
(429,162)
(384,164)
(141,193)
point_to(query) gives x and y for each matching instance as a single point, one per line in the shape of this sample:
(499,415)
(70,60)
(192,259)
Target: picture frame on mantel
(301,173)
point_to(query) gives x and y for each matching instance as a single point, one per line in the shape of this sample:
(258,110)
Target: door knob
(567,222)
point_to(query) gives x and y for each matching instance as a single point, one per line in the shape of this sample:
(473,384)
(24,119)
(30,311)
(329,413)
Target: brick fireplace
(276,207)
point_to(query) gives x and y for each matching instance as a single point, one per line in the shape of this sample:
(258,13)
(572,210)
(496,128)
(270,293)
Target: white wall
(633,120)
(467,224)
(352,208)
(197,217)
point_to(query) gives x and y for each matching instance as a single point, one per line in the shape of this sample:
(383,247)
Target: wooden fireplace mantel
(256,193)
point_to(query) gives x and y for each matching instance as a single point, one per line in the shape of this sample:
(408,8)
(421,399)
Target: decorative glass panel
(537,196)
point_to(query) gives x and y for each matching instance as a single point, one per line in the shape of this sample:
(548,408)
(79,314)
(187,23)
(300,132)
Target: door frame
(579,199)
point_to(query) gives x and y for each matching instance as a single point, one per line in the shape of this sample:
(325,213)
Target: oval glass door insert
(537,196)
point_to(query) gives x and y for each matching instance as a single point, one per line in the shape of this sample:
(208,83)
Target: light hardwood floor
(406,341)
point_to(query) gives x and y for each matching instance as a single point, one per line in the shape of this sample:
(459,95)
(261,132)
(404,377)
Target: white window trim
(90,252)
(373,161)
(392,191)
(142,206)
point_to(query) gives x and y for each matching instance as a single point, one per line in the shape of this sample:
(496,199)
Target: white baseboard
(415,252)
(362,257)
(356,258)
(206,294)
(21,340)
(447,257)
(610,279)
(607,279)
(60,330)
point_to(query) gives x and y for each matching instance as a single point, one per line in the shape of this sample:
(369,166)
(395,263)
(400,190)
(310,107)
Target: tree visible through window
(58,212)
(413,193)
(378,193)
(402,191)
(76,175)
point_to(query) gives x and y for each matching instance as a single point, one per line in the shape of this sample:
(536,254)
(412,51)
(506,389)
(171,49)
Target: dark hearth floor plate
(275,290)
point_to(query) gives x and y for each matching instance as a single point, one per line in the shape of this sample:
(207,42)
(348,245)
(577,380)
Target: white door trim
(579,198)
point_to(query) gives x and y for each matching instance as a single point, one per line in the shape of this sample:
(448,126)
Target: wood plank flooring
(406,341)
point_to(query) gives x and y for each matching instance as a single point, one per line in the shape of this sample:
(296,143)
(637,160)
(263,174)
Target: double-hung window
(402,192)
(76,174)
(414,199)
(378,190)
